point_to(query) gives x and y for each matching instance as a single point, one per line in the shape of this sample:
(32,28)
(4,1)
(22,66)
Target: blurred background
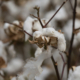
(11,10)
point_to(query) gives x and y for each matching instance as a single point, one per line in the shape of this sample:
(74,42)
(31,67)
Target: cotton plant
(50,43)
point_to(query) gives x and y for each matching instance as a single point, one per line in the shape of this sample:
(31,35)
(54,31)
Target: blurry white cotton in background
(14,10)
(74,74)
(14,66)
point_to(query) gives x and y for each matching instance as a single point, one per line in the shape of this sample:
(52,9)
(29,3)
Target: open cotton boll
(14,66)
(49,15)
(37,34)
(61,39)
(44,74)
(75,74)
(28,27)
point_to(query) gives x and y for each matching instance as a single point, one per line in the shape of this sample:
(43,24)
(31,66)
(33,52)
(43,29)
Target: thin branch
(20,28)
(55,13)
(63,65)
(38,11)
(62,57)
(63,70)
(72,39)
(56,68)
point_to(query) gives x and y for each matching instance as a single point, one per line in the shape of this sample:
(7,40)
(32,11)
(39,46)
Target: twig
(55,13)
(38,11)
(63,65)
(72,39)
(56,68)
(20,28)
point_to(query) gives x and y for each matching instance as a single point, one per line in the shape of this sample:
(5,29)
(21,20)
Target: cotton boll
(75,74)
(61,41)
(37,34)
(28,27)
(13,66)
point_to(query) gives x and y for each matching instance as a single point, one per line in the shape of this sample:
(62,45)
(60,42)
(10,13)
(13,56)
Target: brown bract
(2,63)
(43,42)
(14,33)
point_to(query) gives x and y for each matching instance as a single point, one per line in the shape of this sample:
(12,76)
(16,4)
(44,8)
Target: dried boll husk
(2,63)
(44,41)
(14,32)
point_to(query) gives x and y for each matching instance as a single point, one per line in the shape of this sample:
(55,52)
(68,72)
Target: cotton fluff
(31,69)
(44,74)
(28,27)
(33,65)
(11,51)
(13,66)
(75,74)
(37,34)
